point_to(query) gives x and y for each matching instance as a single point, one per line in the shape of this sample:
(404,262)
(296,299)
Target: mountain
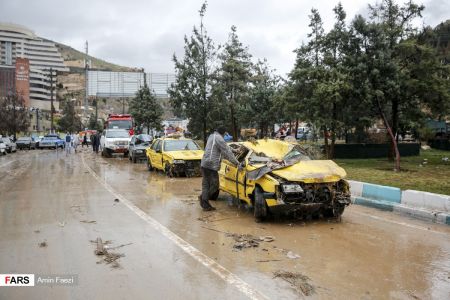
(439,38)
(74,59)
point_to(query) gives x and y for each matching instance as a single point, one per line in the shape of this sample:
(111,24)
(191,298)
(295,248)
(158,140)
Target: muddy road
(161,245)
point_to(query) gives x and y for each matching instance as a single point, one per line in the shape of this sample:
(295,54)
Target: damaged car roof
(306,170)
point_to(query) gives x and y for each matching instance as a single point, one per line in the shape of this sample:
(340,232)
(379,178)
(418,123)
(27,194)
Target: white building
(18,41)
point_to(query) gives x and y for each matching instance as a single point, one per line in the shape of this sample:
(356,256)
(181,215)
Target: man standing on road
(75,141)
(84,140)
(93,141)
(68,143)
(215,149)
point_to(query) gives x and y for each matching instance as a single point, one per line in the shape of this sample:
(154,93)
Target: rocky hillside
(74,59)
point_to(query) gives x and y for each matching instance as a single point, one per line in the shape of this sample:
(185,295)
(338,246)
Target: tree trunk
(233,124)
(333,131)
(394,107)
(325,139)
(391,134)
(204,132)
(296,128)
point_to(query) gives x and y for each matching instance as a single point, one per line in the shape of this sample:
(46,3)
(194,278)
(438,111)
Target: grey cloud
(146,33)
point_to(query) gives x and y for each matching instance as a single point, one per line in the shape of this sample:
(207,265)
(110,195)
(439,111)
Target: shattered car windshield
(180,145)
(295,155)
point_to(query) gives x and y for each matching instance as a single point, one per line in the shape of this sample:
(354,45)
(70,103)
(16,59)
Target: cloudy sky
(146,33)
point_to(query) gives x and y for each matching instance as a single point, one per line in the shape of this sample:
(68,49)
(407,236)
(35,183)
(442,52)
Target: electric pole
(86,67)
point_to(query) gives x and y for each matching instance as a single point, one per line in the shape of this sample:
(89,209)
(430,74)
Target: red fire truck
(121,121)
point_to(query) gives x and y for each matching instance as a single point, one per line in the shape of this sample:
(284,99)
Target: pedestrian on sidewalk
(215,149)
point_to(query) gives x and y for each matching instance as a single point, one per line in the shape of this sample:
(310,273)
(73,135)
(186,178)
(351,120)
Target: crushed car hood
(308,171)
(312,171)
(186,154)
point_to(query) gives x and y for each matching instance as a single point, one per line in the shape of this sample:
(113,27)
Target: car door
(152,153)
(157,155)
(131,146)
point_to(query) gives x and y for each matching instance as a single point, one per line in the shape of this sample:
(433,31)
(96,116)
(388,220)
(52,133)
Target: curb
(420,205)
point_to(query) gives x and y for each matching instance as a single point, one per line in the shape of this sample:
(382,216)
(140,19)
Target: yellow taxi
(175,156)
(279,177)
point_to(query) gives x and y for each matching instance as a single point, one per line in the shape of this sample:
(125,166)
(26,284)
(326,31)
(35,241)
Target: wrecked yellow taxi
(279,177)
(175,156)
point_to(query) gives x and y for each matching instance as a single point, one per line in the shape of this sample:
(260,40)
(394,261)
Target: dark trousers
(210,184)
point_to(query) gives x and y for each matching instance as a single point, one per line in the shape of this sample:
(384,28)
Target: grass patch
(432,176)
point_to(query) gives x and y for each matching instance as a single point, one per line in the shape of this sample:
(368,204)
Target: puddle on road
(352,259)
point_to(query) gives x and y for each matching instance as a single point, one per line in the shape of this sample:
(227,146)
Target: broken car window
(295,155)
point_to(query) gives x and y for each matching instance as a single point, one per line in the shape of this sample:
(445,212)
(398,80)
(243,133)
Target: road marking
(1,166)
(199,256)
(400,223)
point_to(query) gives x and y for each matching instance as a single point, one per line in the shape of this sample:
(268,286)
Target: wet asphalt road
(173,250)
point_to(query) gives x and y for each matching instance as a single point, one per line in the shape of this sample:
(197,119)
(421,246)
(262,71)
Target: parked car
(26,142)
(52,141)
(10,145)
(138,146)
(2,147)
(115,141)
(278,177)
(175,156)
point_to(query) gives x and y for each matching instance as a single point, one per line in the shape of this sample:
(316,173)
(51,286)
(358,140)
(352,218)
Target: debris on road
(298,281)
(268,260)
(116,200)
(248,241)
(117,247)
(37,231)
(89,222)
(43,244)
(292,255)
(108,257)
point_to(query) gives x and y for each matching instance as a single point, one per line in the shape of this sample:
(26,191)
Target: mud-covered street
(161,245)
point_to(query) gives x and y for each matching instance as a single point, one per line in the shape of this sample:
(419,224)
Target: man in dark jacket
(215,149)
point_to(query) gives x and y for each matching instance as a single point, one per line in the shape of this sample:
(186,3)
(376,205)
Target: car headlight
(292,188)
(178,161)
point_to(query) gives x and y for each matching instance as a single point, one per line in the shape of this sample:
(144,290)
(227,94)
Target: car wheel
(149,165)
(260,208)
(105,153)
(133,158)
